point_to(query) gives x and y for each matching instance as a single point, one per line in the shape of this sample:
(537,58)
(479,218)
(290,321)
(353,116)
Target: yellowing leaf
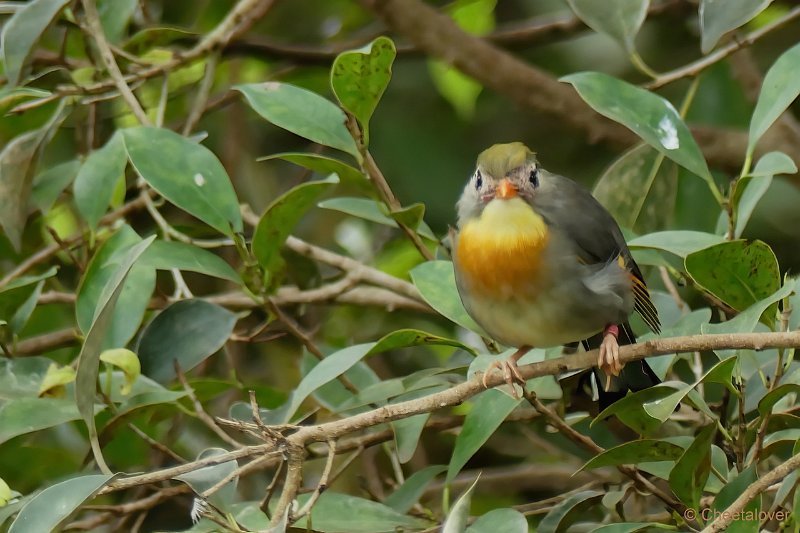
(55,379)
(125,360)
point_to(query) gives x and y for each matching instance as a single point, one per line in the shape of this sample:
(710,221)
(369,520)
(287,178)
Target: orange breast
(501,252)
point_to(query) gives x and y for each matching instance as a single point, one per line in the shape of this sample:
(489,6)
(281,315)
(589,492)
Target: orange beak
(505,190)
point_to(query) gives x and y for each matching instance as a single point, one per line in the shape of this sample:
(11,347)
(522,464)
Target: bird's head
(504,171)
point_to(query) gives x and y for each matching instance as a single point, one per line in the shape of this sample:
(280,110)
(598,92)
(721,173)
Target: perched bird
(539,262)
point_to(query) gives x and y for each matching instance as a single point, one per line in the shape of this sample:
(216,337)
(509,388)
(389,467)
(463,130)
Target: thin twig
(321,486)
(201,97)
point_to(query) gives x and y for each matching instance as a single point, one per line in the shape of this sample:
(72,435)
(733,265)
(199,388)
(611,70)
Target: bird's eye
(478,180)
(534,177)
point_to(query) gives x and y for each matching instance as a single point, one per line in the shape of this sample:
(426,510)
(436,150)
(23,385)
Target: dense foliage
(225,288)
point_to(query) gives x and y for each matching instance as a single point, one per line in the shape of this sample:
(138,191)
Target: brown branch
(48,341)
(531,87)
(727,516)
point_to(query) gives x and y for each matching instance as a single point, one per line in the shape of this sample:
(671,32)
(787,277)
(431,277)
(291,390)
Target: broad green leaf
(21,377)
(619,19)
(436,283)
(680,242)
(46,510)
(166,255)
(48,185)
(568,511)
(769,400)
(374,212)
(489,409)
(188,331)
(505,520)
(26,415)
(56,377)
(359,78)
(114,17)
(301,112)
(689,475)
(187,174)
(322,165)
(89,359)
(410,216)
(457,518)
(636,451)
(136,293)
(204,478)
(630,410)
(99,174)
(409,493)
(127,361)
(22,31)
(650,116)
(336,512)
(740,273)
(280,218)
(407,431)
(638,197)
(662,408)
(750,189)
(17,294)
(461,91)
(730,493)
(16,164)
(718,17)
(339,362)
(780,88)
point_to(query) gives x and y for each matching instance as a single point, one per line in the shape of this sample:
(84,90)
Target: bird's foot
(608,354)
(511,373)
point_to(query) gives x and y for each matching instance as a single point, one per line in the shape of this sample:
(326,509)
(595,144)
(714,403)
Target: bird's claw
(608,356)
(511,375)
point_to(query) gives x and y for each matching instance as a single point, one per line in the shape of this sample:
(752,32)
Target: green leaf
(740,273)
(20,377)
(730,492)
(409,493)
(769,400)
(650,116)
(187,174)
(633,452)
(359,78)
(505,520)
(301,112)
(136,293)
(46,510)
(335,512)
(89,359)
(48,185)
(568,511)
(436,283)
(630,410)
(23,30)
(204,478)
(99,174)
(280,218)
(26,415)
(18,298)
(458,516)
(680,243)
(619,19)
(637,197)
(780,88)
(166,255)
(750,189)
(339,362)
(689,475)
(114,17)
(719,17)
(376,212)
(188,331)
(127,361)
(16,165)
(489,409)
(322,165)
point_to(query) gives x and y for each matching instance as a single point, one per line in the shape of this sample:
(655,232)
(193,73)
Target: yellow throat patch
(502,249)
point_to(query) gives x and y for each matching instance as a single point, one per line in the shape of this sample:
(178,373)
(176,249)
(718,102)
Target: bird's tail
(634,377)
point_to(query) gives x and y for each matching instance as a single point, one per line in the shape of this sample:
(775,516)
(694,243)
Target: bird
(539,262)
